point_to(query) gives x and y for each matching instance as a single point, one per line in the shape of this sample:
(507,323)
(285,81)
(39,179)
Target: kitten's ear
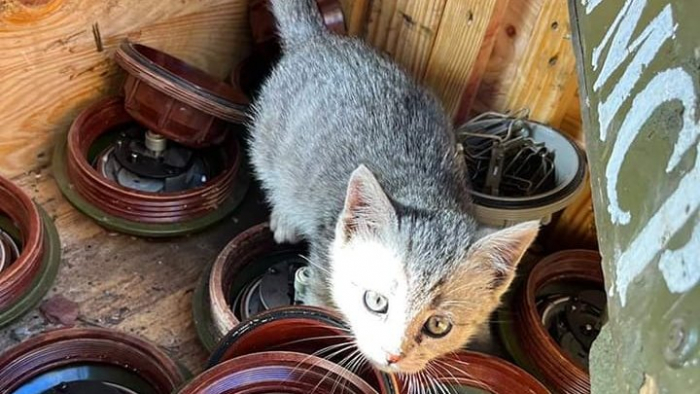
(502,250)
(367,207)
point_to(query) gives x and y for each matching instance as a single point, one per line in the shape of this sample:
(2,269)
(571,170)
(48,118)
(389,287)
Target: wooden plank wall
(475,54)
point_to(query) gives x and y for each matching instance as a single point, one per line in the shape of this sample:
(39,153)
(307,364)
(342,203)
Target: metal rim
(299,329)
(227,347)
(44,278)
(488,373)
(17,278)
(209,95)
(208,336)
(111,222)
(527,341)
(97,122)
(245,248)
(63,348)
(552,198)
(277,372)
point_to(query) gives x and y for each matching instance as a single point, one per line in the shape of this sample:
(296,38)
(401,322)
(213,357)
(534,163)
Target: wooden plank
(546,73)
(511,43)
(571,123)
(457,47)
(356,14)
(405,30)
(575,228)
(148,291)
(481,63)
(51,67)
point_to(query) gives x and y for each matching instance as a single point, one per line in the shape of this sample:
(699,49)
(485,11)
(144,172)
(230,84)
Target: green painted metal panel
(639,68)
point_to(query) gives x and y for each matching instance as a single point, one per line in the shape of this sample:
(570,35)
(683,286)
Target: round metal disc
(130,227)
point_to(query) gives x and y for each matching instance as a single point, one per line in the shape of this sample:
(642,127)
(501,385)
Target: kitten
(359,161)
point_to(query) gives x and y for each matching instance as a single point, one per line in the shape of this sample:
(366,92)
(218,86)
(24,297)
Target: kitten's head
(416,285)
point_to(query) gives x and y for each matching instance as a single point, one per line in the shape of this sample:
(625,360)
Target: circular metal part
(300,329)
(236,277)
(471,372)
(69,358)
(176,100)
(542,169)
(251,72)
(155,142)
(132,211)
(278,373)
(550,321)
(27,272)
(302,279)
(274,288)
(44,278)
(130,163)
(682,343)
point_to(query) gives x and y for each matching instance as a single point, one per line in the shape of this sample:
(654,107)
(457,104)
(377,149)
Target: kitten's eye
(437,326)
(376,302)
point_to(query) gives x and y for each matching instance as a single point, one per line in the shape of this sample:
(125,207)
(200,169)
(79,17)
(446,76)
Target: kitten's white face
(393,330)
(371,289)
(404,314)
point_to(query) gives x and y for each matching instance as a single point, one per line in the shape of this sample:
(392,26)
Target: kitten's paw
(283,232)
(286,235)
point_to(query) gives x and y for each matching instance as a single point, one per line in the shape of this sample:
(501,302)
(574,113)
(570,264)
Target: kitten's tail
(297,21)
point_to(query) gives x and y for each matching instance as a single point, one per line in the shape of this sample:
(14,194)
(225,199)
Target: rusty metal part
(467,371)
(570,273)
(277,372)
(300,329)
(235,267)
(177,100)
(62,351)
(107,115)
(17,277)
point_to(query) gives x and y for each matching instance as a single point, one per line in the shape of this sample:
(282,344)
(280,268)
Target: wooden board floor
(139,286)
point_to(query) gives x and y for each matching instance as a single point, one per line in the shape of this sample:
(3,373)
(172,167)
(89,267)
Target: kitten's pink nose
(393,358)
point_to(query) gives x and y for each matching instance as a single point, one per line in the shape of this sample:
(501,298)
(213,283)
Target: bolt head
(681,343)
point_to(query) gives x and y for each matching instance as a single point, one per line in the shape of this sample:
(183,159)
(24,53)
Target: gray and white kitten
(361,162)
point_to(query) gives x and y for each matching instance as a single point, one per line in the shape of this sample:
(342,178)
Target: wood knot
(27,11)
(34,3)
